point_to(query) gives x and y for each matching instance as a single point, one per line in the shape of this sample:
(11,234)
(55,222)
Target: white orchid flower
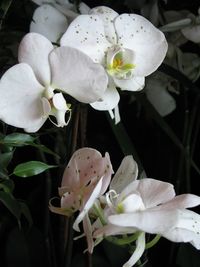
(128,46)
(27,89)
(149,205)
(51,18)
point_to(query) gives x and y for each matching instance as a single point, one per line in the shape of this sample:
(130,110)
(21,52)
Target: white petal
(153,192)
(192,33)
(159,97)
(107,15)
(111,229)
(20,101)
(49,22)
(86,33)
(34,50)
(182,201)
(83,8)
(76,74)
(40,2)
(140,247)
(88,205)
(153,222)
(132,203)
(147,42)
(109,100)
(134,84)
(67,11)
(127,172)
(59,102)
(187,229)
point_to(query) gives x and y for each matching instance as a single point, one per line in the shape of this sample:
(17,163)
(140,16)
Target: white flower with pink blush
(128,46)
(27,90)
(86,177)
(150,206)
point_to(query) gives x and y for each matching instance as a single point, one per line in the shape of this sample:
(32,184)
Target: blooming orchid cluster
(106,50)
(124,207)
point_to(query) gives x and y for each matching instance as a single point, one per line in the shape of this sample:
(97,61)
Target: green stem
(152,242)
(125,240)
(98,211)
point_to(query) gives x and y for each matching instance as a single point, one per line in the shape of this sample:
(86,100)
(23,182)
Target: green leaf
(4,6)
(31,168)
(18,139)
(5,159)
(7,186)
(3,174)
(10,203)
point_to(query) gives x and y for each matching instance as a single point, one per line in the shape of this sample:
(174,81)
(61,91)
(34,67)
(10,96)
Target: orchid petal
(59,102)
(192,33)
(127,172)
(88,205)
(83,8)
(150,221)
(67,11)
(85,164)
(109,100)
(76,74)
(34,50)
(147,42)
(187,229)
(40,2)
(159,97)
(107,15)
(152,192)
(132,203)
(181,202)
(139,250)
(86,33)
(111,229)
(87,227)
(20,101)
(133,84)
(49,22)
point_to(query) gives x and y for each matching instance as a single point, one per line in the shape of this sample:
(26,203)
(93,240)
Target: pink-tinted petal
(182,201)
(109,100)
(34,50)
(127,172)
(85,164)
(87,227)
(20,98)
(111,229)
(147,42)
(152,192)
(86,33)
(76,74)
(133,84)
(107,15)
(88,205)
(49,22)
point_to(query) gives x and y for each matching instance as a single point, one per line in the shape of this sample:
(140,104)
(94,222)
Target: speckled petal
(49,22)
(147,42)
(86,33)
(34,50)
(108,16)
